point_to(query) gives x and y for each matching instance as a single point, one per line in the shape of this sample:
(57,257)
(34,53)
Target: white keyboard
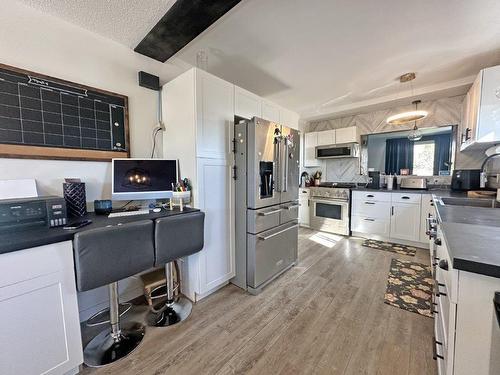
(128,213)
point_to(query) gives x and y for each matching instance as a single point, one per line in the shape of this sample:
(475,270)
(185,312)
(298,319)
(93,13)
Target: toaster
(414,183)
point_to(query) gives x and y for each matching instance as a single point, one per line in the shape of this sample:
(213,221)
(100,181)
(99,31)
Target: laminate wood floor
(324,316)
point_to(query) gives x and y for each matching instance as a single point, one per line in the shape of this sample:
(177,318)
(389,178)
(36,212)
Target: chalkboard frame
(9,150)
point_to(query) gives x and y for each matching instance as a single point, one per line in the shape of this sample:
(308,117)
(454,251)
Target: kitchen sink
(469,202)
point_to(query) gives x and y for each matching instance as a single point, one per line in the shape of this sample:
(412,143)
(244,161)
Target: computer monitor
(142,179)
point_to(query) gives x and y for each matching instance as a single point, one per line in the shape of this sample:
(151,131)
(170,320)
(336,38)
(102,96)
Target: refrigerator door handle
(276,165)
(285,156)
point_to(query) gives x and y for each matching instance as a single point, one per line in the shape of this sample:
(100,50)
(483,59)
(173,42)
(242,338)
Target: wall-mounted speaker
(149,81)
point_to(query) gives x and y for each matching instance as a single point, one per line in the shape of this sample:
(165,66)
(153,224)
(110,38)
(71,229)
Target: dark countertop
(13,241)
(472,235)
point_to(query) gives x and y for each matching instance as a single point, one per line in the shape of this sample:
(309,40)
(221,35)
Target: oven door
(330,215)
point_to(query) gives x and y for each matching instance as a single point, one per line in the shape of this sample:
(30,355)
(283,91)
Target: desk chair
(176,237)
(103,256)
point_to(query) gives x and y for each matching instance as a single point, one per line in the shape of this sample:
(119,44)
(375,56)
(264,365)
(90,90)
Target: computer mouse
(156,209)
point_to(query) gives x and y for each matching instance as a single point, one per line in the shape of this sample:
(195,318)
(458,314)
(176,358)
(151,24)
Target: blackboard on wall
(46,117)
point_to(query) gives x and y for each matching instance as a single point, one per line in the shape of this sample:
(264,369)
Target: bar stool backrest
(105,255)
(178,236)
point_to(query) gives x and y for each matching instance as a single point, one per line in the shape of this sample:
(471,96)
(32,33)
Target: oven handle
(335,201)
(263,238)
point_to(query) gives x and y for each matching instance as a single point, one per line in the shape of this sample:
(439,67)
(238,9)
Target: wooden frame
(11,150)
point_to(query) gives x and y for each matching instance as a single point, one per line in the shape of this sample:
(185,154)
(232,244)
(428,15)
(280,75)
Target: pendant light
(415,134)
(405,117)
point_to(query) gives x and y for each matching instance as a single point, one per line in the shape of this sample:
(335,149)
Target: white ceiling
(322,57)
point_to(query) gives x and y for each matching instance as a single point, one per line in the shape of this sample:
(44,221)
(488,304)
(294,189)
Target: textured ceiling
(322,57)
(124,21)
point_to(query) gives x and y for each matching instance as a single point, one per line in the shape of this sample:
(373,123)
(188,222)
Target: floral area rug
(409,287)
(392,247)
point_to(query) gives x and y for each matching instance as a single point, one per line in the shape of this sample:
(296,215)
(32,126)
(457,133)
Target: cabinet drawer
(370,225)
(371,195)
(406,198)
(372,209)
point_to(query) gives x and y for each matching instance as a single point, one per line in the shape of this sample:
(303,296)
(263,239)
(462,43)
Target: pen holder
(180,198)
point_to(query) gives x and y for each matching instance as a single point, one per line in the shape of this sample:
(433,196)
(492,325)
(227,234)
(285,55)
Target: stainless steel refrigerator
(266,201)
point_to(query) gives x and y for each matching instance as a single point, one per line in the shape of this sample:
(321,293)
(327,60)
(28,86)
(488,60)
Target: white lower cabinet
(304,209)
(405,221)
(39,311)
(391,215)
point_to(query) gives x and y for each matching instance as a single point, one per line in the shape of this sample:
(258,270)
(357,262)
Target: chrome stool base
(103,316)
(103,349)
(172,313)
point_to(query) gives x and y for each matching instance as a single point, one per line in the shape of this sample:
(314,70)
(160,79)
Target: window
(423,158)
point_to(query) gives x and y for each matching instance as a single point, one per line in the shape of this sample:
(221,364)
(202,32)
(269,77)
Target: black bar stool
(175,237)
(102,257)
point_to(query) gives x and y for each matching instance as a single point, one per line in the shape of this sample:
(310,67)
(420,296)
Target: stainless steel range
(330,208)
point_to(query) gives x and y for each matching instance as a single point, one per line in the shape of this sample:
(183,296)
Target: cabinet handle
(369,196)
(437,241)
(443,264)
(369,202)
(369,219)
(496,304)
(392,211)
(405,197)
(435,355)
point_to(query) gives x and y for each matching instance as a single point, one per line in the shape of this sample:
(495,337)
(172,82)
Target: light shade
(405,117)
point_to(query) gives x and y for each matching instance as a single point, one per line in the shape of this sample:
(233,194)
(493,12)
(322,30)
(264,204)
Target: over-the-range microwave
(346,150)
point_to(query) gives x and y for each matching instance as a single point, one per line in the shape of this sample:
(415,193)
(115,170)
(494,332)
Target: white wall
(42,43)
(45,44)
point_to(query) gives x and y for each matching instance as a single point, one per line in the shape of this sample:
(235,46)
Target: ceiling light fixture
(415,134)
(405,117)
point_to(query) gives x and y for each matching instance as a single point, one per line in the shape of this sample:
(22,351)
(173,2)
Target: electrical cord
(155,133)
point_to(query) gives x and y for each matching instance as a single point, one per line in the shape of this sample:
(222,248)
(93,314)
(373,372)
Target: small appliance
(346,150)
(419,183)
(374,180)
(465,179)
(27,213)
(103,207)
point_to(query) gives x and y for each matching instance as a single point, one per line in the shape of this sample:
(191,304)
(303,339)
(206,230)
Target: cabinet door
(246,104)
(346,135)
(289,118)
(326,138)
(39,313)
(489,116)
(405,221)
(270,112)
(304,211)
(310,142)
(215,116)
(216,197)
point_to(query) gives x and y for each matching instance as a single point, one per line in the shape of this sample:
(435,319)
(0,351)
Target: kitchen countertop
(24,239)
(435,191)
(472,235)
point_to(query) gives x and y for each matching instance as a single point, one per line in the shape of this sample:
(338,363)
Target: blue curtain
(398,155)
(442,152)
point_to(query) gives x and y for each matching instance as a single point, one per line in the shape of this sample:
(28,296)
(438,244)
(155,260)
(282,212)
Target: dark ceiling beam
(183,22)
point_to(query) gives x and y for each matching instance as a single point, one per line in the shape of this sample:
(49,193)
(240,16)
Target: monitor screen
(143,178)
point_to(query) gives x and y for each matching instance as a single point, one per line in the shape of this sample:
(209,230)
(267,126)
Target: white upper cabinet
(310,143)
(246,104)
(215,115)
(347,135)
(481,111)
(326,138)
(289,118)
(270,112)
